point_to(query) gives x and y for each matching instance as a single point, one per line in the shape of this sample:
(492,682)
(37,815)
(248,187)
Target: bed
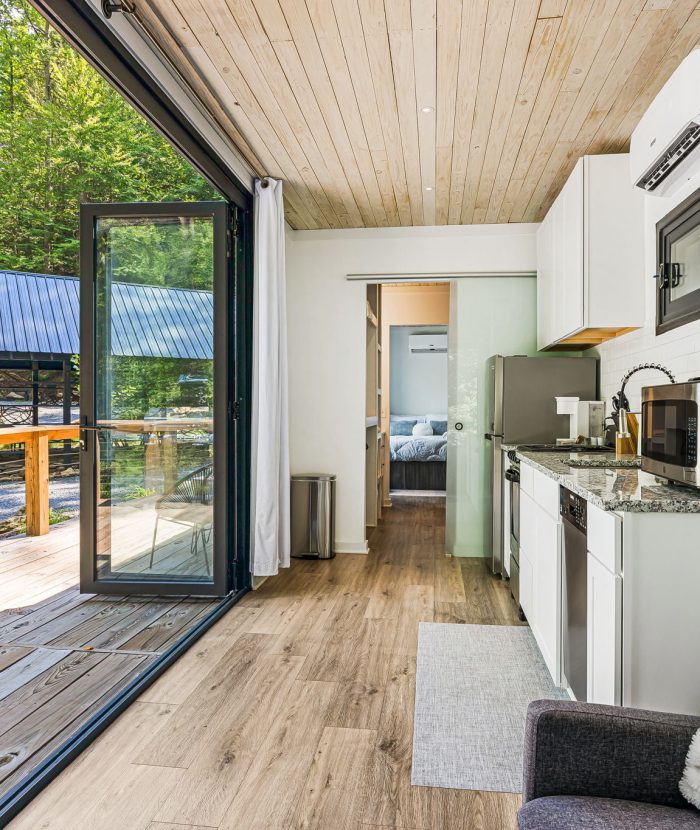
(418,462)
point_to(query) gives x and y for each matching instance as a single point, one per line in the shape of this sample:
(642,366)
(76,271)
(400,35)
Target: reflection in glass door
(154,408)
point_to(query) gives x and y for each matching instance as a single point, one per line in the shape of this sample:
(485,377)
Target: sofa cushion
(569,812)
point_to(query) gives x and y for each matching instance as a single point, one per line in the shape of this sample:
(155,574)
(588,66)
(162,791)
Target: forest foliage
(67,137)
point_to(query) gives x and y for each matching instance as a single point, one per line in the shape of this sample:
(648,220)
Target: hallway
(296,709)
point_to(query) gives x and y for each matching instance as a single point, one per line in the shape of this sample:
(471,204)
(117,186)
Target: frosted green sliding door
(488,315)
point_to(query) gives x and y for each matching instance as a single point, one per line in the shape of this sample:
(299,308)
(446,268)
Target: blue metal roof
(40,314)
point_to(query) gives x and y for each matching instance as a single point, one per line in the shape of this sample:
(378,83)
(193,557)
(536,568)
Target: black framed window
(678,258)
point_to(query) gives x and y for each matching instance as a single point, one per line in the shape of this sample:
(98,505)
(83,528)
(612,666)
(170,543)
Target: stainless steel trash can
(313,516)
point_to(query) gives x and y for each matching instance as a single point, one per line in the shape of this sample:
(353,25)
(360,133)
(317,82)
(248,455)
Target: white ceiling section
(423,112)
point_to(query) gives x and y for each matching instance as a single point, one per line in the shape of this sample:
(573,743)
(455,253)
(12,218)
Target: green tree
(67,137)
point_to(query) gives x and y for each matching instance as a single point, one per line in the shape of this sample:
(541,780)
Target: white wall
(327,335)
(418,381)
(679,349)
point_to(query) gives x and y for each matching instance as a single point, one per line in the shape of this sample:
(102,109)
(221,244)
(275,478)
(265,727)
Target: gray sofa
(592,767)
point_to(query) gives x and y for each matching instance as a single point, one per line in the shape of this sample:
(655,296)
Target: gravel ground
(64,494)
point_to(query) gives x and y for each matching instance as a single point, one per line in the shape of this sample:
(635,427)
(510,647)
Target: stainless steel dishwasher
(574,609)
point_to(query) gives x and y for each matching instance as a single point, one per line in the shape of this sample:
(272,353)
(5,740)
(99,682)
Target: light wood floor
(296,709)
(64,654)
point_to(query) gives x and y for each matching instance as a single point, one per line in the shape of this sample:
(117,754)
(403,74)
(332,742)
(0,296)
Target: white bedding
(418,447)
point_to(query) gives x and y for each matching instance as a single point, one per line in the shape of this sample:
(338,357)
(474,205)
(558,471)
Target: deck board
(296,708)
(64,654)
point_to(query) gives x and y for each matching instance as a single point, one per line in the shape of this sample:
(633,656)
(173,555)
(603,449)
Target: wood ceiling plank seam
(643,31)
(278,166)
(543,39)
(498,24)
(352,38)
(211,43)
(158,31)
(381,57)
(424,24)
(644,75)
(257,60)
(278,136)
(471,42)
(360,115)
(288,76)
(359,170)
(448,39)
(550,9)
(686,40)
(395,67)
(541,171)
(250,113)
(569,31)
(572,146)
(520,39)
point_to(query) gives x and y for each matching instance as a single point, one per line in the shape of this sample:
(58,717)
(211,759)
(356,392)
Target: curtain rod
(436,277)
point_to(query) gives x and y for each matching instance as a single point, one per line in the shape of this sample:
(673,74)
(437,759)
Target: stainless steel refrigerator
(522,410)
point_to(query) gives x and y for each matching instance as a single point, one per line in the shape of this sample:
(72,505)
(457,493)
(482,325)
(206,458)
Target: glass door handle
(85,428)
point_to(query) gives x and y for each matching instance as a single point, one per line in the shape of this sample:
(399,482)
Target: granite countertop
(623,488)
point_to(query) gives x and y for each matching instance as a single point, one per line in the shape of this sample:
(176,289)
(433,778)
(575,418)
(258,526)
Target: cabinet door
(527,586)
(545,283)
(570,311)
(528,548)
(548,591)
(604,634)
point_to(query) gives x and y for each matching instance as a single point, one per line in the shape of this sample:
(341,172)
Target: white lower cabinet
(604,640)
(548,591)
(540,578)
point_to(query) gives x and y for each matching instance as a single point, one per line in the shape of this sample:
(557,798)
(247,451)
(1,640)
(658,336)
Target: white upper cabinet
(590,257)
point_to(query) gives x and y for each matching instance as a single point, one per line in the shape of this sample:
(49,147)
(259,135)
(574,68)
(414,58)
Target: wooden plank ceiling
(423,112)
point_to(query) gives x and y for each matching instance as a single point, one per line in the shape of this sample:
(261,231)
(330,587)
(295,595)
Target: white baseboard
(351,547)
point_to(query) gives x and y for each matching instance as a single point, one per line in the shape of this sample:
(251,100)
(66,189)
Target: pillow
(690,782)
(439,427)
(401,427)
(422,430)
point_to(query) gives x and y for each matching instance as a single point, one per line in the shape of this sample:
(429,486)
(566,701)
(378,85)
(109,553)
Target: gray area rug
(473,686)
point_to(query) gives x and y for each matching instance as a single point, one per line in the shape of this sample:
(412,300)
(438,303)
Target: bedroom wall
(418,381)
(679,349)
(326,320)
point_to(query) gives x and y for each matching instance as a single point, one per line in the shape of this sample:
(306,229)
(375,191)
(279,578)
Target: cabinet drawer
(546,493)
(605,538)
(527,479)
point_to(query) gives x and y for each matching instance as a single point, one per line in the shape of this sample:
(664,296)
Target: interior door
(157,398)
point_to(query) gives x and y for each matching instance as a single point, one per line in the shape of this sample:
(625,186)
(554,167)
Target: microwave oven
(670,431)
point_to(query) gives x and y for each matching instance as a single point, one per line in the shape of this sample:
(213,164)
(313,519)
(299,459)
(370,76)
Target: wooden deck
(296,709)
(64,654)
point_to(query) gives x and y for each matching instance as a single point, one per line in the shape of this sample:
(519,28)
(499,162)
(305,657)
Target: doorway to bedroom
(413,373)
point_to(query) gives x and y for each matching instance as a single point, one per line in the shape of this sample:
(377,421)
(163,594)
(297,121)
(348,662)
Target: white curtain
(270,529)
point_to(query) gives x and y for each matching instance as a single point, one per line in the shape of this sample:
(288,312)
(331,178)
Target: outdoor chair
(190,503)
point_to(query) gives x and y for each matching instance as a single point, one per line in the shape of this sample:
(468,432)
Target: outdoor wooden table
(36,467)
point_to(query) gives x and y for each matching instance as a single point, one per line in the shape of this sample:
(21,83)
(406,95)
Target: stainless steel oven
(670,431)
(512,476)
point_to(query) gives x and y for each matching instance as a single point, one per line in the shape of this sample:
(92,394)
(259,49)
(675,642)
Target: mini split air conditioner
(664,151)
(427,343)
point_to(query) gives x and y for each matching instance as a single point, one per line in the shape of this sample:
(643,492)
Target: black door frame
(224,545)
(83,27)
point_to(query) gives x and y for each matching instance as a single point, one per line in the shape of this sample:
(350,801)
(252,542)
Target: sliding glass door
(157,398)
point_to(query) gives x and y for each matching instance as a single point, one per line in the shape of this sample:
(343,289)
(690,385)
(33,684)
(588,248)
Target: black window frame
(671,314)
(90,35)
